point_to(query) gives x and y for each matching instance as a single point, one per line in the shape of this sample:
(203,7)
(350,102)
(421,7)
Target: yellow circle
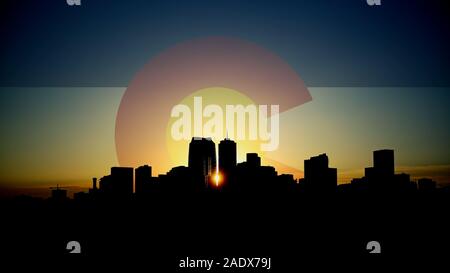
(220,96)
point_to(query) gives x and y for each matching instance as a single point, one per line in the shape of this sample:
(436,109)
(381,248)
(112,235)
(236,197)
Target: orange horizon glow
(41,149)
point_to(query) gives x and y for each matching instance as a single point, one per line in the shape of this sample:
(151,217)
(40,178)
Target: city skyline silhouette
(206,173)
(149,134)
(194,211)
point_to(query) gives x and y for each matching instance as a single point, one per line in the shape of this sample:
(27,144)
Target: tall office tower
(318,176)
(383,163)
(143,177)
(202,158)
(227,158)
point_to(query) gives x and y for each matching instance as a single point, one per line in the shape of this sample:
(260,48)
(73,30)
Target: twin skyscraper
(203,163)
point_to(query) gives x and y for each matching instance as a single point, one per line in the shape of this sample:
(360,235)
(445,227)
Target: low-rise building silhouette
(426,185)
(250,176)
(119,184)
(58,194)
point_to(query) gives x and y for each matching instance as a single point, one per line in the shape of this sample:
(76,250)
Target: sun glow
(217,179)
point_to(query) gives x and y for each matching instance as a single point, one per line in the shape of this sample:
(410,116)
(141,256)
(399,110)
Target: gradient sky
(379,78)
(66,135)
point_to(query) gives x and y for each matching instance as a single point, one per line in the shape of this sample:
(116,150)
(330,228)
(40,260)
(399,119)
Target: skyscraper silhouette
(123,179)
(143,177)
(381,176)
(383,163)
(202,158)
(318,176)
(227,159)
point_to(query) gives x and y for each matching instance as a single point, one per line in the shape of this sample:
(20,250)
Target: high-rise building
(383,163)
(318,176)
(123,179)
(143,177)
(202,158)
(227,158)
(381,177)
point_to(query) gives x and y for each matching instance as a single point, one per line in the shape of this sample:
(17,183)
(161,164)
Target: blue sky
(329,43)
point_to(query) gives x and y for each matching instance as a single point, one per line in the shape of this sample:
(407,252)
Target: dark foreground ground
(294,230)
